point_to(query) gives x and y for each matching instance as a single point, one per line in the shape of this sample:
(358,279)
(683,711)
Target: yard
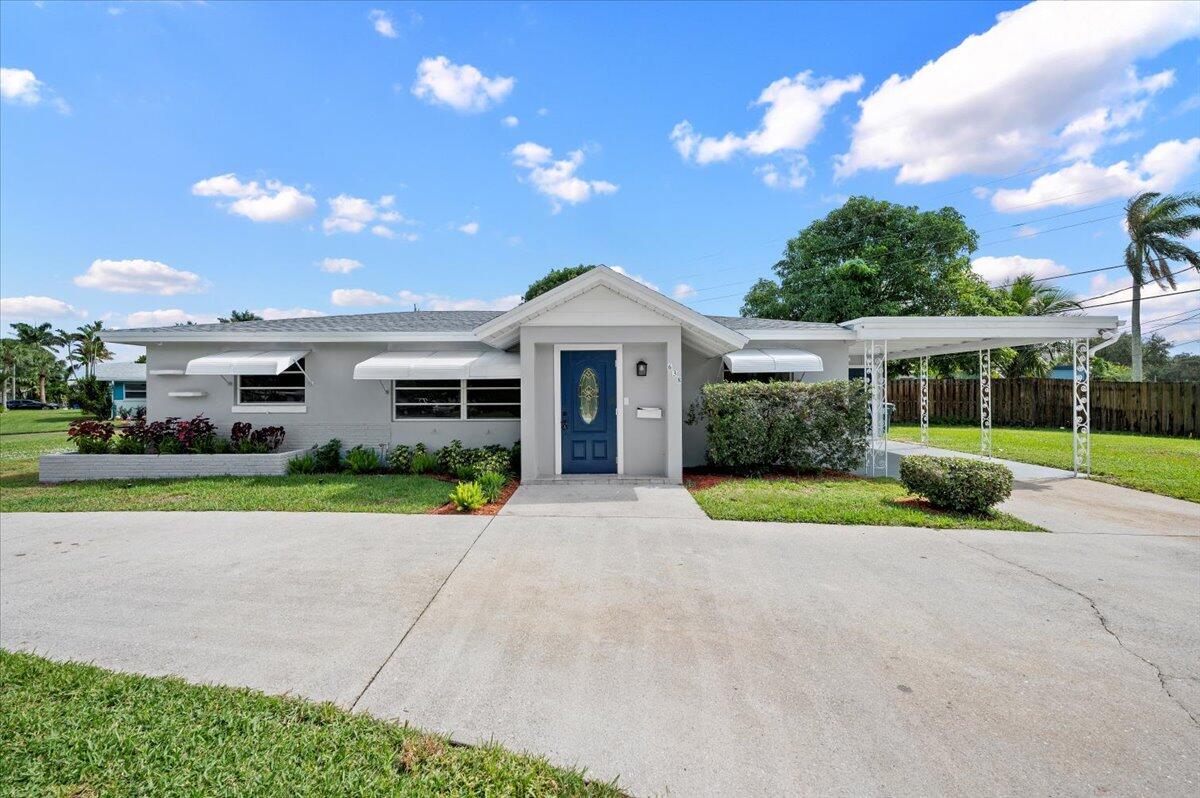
(21,492)
(76,730)
(832,500)
(1154,463)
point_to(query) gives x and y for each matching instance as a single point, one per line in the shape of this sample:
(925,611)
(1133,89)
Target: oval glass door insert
(589,396)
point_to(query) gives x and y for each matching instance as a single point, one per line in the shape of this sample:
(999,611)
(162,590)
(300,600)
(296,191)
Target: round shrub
(956,483)
(467,496)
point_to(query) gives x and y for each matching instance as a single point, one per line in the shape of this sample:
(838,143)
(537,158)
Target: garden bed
(76,467)
(491,508)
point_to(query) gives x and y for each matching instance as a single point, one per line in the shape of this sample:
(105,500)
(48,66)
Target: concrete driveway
(684,656)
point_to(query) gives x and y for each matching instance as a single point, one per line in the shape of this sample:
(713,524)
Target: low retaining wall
(75,467)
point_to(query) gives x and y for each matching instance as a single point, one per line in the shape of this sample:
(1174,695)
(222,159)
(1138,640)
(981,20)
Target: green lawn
(343,493)
(18,422)
(1155,463)
(835,500)
(76,730)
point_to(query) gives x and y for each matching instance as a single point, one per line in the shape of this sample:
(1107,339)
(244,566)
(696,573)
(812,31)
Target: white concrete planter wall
(75,467)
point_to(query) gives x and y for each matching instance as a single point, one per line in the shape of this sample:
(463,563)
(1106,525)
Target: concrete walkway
(600,500)
(684,656)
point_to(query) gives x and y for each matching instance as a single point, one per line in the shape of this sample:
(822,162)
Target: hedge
(956,483)
(756,426)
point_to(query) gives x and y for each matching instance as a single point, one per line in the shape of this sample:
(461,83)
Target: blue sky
(169,161)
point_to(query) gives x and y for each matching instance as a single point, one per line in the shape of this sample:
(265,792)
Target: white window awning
(444,365)
(232,363)
(748,361)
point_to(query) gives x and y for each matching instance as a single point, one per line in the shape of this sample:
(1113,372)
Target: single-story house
(593,377)
(127,385)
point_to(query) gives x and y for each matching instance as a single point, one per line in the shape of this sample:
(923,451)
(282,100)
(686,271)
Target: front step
(597,479)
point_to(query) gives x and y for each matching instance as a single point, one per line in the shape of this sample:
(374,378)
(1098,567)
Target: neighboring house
(595,376)
(1063,371)
(127,385)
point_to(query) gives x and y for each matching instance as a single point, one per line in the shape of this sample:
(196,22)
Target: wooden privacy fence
(1161,408)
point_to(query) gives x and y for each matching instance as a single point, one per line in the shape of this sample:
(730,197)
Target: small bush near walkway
(956,483)
(70,729)
(755,427)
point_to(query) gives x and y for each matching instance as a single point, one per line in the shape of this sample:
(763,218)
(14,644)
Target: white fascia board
(799,335)
(145,338)
(982,327)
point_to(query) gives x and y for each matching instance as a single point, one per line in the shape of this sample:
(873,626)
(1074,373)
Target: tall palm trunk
(42,388)
(1135,323)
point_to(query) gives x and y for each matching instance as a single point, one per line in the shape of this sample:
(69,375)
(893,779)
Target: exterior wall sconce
(641,368)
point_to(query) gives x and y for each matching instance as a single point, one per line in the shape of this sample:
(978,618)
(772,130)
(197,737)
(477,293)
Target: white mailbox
(649,412)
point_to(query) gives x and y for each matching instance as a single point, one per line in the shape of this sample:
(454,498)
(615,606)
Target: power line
(1128,287)
(1172,324)
(1144,299)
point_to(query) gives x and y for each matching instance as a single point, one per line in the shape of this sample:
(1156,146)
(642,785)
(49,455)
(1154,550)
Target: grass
(836,500)
(75,730)
(1154,463)
(341,493)
(22,422)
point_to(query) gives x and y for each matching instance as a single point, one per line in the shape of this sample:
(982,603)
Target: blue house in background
(1063,371)
(127,385)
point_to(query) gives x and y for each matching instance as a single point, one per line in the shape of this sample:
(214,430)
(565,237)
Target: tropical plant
(492,485)
(90,436)
(90,348)
(1158,224)
(399,458)
(1031,297)
(304,464)
(362,460)
(92,396)
(554,279)
(41,335)
(328,456)
(467,497)
(423,462)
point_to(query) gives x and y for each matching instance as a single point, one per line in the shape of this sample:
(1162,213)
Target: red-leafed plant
(89,436)
(196,435)
(267,438)
(239,432)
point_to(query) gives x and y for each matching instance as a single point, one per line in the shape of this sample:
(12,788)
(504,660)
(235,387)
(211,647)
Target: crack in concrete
(1162,677)
(420,615)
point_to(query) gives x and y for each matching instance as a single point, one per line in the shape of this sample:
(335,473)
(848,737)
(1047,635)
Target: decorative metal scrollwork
(924,373)
(1081,419)
(985,402)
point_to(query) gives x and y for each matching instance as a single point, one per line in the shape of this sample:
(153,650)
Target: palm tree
(41,335)
(90,347)
(1157,225)
(240,315)
(12,354)
(1033,298)
(67,339)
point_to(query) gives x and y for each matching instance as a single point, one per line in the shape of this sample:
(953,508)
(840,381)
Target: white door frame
(558,408)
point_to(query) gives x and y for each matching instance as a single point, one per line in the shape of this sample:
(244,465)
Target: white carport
(883,338)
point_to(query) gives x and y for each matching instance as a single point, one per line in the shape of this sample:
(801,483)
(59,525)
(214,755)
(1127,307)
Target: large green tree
(554,279)
(1158,225)
(875,258)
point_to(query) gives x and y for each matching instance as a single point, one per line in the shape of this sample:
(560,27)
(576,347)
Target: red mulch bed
(488,509)
(702,479)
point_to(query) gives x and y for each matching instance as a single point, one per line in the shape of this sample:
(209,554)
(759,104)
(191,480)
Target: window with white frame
(461,399)
(267,389)
(135,390)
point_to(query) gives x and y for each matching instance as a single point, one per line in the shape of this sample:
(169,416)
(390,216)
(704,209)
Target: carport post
(985,402)
(875,379)
(924,372)
(1081,415)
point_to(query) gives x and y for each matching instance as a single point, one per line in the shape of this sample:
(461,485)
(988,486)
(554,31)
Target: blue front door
(588,416)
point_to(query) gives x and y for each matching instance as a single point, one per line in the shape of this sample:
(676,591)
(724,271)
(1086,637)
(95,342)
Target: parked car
(29,404)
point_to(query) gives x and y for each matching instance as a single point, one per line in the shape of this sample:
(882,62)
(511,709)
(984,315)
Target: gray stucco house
(594,376)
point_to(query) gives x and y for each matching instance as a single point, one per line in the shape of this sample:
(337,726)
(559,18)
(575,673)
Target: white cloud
(1027,231)
(1005,269)
(637,278)
(1004,96)
(339,265)
(794,178)
(683,291)
(543,112)
(557,179)
(289,313)
(463,88)
(1171,302)
(36,308)
(138,276)
(440,302)
(352,215)
(273,202)
(1085,183)
(470,228)
(382,21)
(795,108)
(510,121)
(357,297)
(165,318)
(21,87)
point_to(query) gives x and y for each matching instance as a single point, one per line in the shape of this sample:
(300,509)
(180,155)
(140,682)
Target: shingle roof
(433,321)
(751,323)
(121,372)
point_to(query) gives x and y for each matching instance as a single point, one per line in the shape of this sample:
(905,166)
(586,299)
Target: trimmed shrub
(423,462)
(956,483)
(328,457)
(759,426)
(304,464)
(454,456)
(467,496)
(492,485)
(362,460)
(399,458)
